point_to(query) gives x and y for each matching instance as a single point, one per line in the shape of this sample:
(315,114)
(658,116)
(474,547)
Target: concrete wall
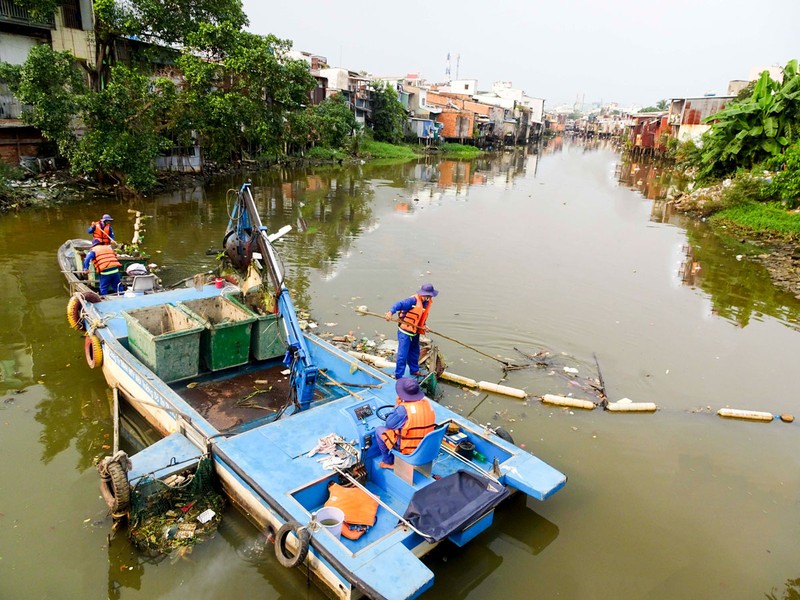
(14,48)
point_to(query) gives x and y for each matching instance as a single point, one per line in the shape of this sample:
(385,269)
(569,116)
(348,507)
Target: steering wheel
(381,412)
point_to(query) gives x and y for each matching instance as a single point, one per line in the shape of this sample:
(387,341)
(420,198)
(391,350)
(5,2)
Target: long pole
(505,363)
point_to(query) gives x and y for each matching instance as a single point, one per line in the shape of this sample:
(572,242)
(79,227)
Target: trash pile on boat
(183,510)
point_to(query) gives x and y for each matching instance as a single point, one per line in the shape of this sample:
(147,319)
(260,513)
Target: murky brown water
(533,252)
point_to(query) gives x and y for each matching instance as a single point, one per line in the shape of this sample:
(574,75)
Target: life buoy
(93,349)
(74,314)
(303,539)
(115,489)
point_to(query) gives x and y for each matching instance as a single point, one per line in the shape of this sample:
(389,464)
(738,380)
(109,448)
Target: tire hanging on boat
(74,314)
(504,435)
(93,349)
(115,489)
(303,539)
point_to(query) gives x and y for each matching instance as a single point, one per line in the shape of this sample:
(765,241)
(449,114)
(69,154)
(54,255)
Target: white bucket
(331,518)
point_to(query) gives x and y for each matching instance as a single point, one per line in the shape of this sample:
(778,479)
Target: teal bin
(267,340)
(165,339)
(225,342)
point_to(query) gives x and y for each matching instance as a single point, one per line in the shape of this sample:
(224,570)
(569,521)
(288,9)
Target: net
(182,511)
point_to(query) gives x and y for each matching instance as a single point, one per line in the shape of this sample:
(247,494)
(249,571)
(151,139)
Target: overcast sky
(630,52)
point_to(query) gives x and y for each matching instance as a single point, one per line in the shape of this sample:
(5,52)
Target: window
(71,10)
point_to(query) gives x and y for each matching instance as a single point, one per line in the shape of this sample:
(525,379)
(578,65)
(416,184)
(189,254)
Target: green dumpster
(165,339)
(267,339)
(226,340)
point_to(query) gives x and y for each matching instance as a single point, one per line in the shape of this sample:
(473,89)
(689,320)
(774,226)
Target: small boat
(288,420)
(72,253)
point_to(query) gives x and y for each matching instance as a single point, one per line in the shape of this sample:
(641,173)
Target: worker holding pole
(412,314)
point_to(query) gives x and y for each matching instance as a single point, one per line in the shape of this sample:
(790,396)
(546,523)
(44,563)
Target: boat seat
(143,283)
(421,459)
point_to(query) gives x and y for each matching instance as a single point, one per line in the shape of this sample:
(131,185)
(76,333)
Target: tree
(755,128)
(240,89)
(49,82)
(126,128)
(158,22)
(335,122)
(388,116)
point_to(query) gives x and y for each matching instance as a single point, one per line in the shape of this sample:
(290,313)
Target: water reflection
(740,290)
(515,525)
(791,591)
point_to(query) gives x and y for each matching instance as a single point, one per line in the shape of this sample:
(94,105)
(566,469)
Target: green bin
(226,340)
(267,340)
(165,339)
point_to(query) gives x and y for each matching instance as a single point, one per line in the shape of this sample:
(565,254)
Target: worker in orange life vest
(106,264)
(410,420)
(413,314)
(102,230)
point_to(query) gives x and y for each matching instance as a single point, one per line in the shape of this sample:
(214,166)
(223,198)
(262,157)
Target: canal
(566,251)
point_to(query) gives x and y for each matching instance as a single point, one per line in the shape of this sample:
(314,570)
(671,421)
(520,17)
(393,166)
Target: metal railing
(10,12)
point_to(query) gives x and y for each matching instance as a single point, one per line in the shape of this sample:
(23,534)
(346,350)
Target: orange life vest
(102,233)
(413,321)
(421,420)
(359,509)
(105,258)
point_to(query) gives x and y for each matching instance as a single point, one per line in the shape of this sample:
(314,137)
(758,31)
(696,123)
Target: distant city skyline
(631,53)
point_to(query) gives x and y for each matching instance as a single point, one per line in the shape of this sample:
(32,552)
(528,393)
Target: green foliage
(647,109)
(39,10)
(686,154)
(240,99)
(762,218)
(753,129)
(460,151)
(786,181)
(662,104)
(389,116)
(170,22)
(335,122)
(50,82)
(376,149)
(124,128)
(323,153)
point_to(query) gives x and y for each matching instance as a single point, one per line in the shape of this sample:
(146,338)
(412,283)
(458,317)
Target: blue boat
(306,396)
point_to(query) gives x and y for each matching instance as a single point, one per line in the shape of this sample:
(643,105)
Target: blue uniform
(394,420)
(407,344)
(108,282)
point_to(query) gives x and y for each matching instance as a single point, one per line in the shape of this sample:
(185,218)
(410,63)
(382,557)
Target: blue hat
(408,389)
(426,289)
(106,218)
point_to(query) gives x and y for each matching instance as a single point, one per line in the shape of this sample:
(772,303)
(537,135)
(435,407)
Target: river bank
(778,253)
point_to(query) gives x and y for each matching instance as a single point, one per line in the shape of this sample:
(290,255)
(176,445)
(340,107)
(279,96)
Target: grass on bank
(323,153)
(374,149)
(460,151)
(762,218)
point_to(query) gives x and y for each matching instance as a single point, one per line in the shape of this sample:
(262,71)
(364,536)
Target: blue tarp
(453,503)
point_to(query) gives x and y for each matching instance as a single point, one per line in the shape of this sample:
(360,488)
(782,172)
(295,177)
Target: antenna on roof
(447,69)
(458,62)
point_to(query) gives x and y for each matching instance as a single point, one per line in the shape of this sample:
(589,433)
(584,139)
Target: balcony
(10,12)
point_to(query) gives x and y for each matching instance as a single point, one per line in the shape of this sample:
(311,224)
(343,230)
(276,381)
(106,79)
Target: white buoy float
(496,388)
(749,415)
(568,402)
(629,406)
(459,379)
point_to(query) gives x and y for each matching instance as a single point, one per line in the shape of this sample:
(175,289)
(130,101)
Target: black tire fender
(303,539)
(504,435)
(115,489)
